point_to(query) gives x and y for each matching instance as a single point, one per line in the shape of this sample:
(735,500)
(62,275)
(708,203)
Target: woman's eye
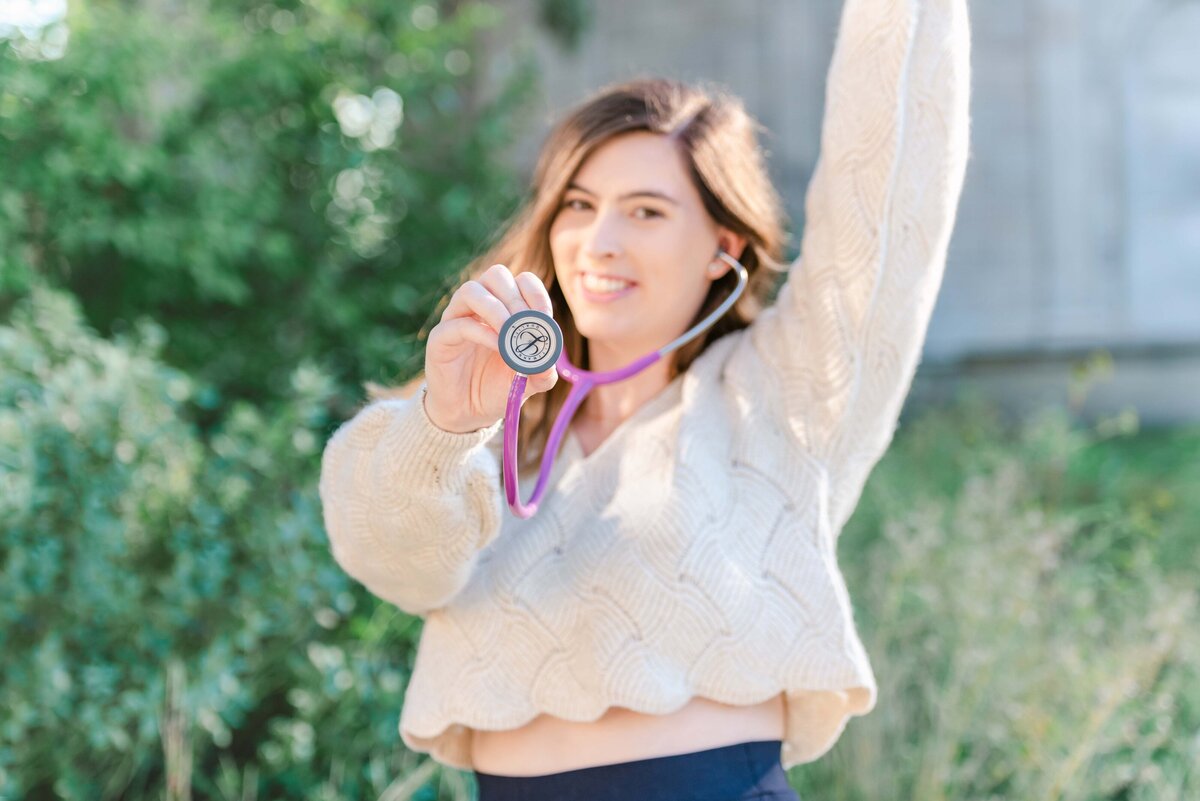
(642,212)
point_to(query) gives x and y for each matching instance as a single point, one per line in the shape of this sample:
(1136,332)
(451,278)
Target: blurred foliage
(568,19)
(130,550)
(255,204)
(268,182)
(1026,590)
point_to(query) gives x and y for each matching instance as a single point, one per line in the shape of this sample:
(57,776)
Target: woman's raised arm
(844,338)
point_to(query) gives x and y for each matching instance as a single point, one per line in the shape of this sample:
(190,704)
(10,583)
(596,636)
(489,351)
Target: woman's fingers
(544,381)
(500,282)
(497,295)
(534,292)
(473,298)
(469,329)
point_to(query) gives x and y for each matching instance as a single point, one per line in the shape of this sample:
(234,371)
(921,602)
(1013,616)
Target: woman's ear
(731,243)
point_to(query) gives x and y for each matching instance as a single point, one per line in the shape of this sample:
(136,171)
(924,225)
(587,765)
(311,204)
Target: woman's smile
(603,290)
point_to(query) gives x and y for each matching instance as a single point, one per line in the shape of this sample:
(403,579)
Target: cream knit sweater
(694,552)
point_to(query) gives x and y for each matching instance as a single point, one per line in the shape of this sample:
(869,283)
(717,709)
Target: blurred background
(219,218)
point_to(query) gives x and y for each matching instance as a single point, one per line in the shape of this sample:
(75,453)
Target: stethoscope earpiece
(530,341)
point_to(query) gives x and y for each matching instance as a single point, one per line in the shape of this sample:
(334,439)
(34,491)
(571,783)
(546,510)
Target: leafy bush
(269,183)
(169,599)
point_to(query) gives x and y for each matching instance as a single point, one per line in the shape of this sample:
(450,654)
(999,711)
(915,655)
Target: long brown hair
(719,142)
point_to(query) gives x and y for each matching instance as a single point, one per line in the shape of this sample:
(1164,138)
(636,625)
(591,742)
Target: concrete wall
(1079,227)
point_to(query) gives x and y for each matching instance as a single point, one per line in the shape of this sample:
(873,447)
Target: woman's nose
(603,236)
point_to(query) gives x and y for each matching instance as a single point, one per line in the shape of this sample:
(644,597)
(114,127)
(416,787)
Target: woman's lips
(594,297)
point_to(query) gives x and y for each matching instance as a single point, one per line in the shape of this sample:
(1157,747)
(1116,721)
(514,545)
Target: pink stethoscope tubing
(583,381)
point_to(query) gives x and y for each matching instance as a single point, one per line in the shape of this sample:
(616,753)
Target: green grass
(1026,591)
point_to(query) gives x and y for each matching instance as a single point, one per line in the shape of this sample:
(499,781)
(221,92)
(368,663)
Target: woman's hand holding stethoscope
(466,379)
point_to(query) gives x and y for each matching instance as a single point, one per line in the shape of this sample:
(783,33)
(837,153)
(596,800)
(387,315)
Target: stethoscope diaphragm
(530,341)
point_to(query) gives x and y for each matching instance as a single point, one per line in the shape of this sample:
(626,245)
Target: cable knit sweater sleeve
(408,506)
(843,339)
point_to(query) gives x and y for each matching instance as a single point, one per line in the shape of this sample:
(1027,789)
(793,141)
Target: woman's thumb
(544,381)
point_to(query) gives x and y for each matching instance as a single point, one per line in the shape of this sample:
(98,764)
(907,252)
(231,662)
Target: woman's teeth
(597,284)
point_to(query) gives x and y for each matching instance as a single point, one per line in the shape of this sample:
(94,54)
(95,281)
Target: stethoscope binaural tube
(530,341)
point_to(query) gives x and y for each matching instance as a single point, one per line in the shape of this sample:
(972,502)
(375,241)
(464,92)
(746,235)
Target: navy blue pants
(740,772)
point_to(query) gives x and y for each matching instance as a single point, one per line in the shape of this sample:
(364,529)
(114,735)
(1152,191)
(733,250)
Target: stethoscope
(530,341)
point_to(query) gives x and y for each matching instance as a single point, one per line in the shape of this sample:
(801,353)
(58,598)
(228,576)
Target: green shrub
(269,183)
(135,556)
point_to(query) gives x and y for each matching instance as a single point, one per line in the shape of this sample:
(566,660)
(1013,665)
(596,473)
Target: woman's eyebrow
(627,195)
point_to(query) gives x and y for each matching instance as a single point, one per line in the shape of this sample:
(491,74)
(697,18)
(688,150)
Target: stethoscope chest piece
(530,341)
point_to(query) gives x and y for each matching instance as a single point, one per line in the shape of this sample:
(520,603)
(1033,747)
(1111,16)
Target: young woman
(672,622)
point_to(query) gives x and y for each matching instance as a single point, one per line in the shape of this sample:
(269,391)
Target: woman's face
(632,213)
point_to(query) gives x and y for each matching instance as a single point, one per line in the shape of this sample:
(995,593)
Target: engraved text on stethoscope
(531,342)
